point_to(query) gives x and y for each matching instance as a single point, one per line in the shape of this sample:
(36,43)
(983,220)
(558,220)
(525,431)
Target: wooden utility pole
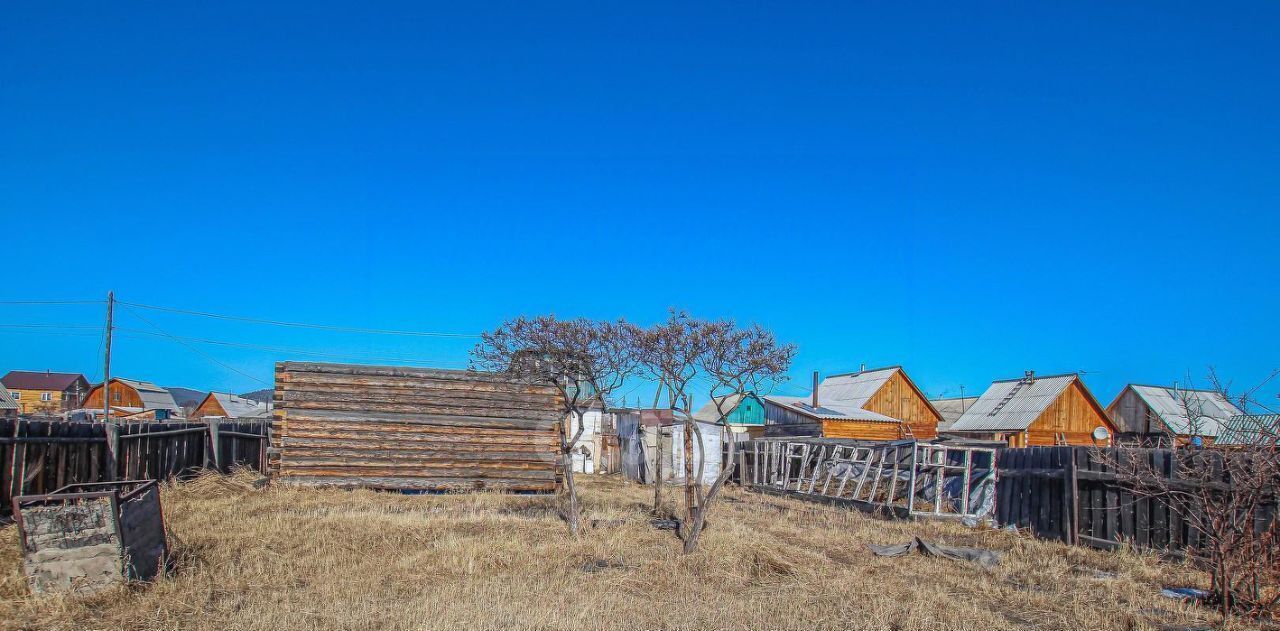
(112,430)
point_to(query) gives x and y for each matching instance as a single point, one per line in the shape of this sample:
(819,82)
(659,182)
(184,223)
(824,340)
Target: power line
(51,302)
(194,349)
(304,325)
(299,351)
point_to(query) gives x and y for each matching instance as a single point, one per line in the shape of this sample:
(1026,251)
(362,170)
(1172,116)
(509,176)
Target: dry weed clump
(281,558)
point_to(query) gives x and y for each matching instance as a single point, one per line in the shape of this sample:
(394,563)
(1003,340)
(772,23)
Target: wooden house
(134,400)
(1054,410)
(1179,413)
(744,413)
(45,392)
(879,404)
(229,406)
(401,428)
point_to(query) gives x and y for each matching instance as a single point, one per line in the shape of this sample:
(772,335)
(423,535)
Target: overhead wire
(304,325)
(196,350)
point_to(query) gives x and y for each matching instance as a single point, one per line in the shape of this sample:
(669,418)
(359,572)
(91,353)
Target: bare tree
(684,351)
(669,352)
(585,360)
(736,362)
(1227,491)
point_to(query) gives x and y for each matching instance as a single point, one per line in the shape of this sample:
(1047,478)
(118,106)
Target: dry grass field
(283,558)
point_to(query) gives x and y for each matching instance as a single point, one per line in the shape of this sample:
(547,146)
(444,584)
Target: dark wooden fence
(41,456)
(1075,494)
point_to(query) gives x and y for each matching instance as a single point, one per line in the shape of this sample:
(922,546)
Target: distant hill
(261,396)
(186,397)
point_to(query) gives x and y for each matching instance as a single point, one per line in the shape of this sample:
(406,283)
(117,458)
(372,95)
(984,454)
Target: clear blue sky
(968,189)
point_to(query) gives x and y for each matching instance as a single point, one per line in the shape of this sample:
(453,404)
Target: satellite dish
(1101,434)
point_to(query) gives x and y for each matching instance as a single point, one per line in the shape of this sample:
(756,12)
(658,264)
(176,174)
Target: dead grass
(284,558)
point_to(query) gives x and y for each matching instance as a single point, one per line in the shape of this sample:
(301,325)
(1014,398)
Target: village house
(231,407)
(1033,411)
(45,392)
(8,407)
(134,400)
(1179,413)
(744,413)
(879,404)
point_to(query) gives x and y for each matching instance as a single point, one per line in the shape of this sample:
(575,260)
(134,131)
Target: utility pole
(113,431)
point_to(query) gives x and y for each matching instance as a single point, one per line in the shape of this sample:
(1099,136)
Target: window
(46,396)
(115,396)
(16,395)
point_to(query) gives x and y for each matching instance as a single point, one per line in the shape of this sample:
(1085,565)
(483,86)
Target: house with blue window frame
(744,413)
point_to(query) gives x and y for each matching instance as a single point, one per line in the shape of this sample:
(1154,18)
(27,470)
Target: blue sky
(968,189)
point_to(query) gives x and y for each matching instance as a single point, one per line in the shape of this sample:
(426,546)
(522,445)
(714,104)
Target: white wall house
(586,452)
(707,458)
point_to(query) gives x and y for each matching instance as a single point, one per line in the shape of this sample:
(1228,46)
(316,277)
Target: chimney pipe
(862,368)
(814,402)
(1031,376)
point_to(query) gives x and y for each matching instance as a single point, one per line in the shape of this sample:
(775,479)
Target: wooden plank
(438,420)
(422,483)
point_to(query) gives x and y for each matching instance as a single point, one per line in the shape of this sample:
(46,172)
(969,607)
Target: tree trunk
(572,510)
(690,499)
(700,516)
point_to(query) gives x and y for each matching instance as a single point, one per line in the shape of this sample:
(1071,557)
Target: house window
(46,396)
(16,395)
(115,396)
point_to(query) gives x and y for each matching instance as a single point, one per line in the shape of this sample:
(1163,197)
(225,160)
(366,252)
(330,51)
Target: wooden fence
(41,456)
(1075,494)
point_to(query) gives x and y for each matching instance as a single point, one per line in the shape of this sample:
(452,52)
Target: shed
(131,397)
(227,405)
(1181,412)
(1053,410)
(394,427)
(743,412)
(706,457)
(878,404)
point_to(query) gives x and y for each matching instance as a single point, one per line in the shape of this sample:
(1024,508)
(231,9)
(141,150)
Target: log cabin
(1036,411)
(403,428)
(230,406)
(879,404)
(45,392)
(135,400)
(1180,414)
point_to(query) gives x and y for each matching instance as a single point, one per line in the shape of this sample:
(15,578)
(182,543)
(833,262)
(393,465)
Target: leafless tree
(684,351)
(585,360)
(1228,492)
(669,352)
(736,362)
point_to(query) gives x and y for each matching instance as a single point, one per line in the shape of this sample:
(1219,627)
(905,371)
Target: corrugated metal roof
(841,397)
(830,411)
(1188,412)
(951,409)
(1012,404)
(6,399)
(1250,429)
(240,407)
(153,397)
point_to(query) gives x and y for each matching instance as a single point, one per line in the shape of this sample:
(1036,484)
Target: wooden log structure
(402,428)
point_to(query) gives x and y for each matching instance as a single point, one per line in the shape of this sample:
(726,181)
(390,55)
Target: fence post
(113,451)
(215,444)
(1070,525)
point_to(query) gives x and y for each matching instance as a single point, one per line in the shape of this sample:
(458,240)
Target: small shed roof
(829,410)
(1013,404)
(240,407)
(1250,429)
(1188,412)
(6,399)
